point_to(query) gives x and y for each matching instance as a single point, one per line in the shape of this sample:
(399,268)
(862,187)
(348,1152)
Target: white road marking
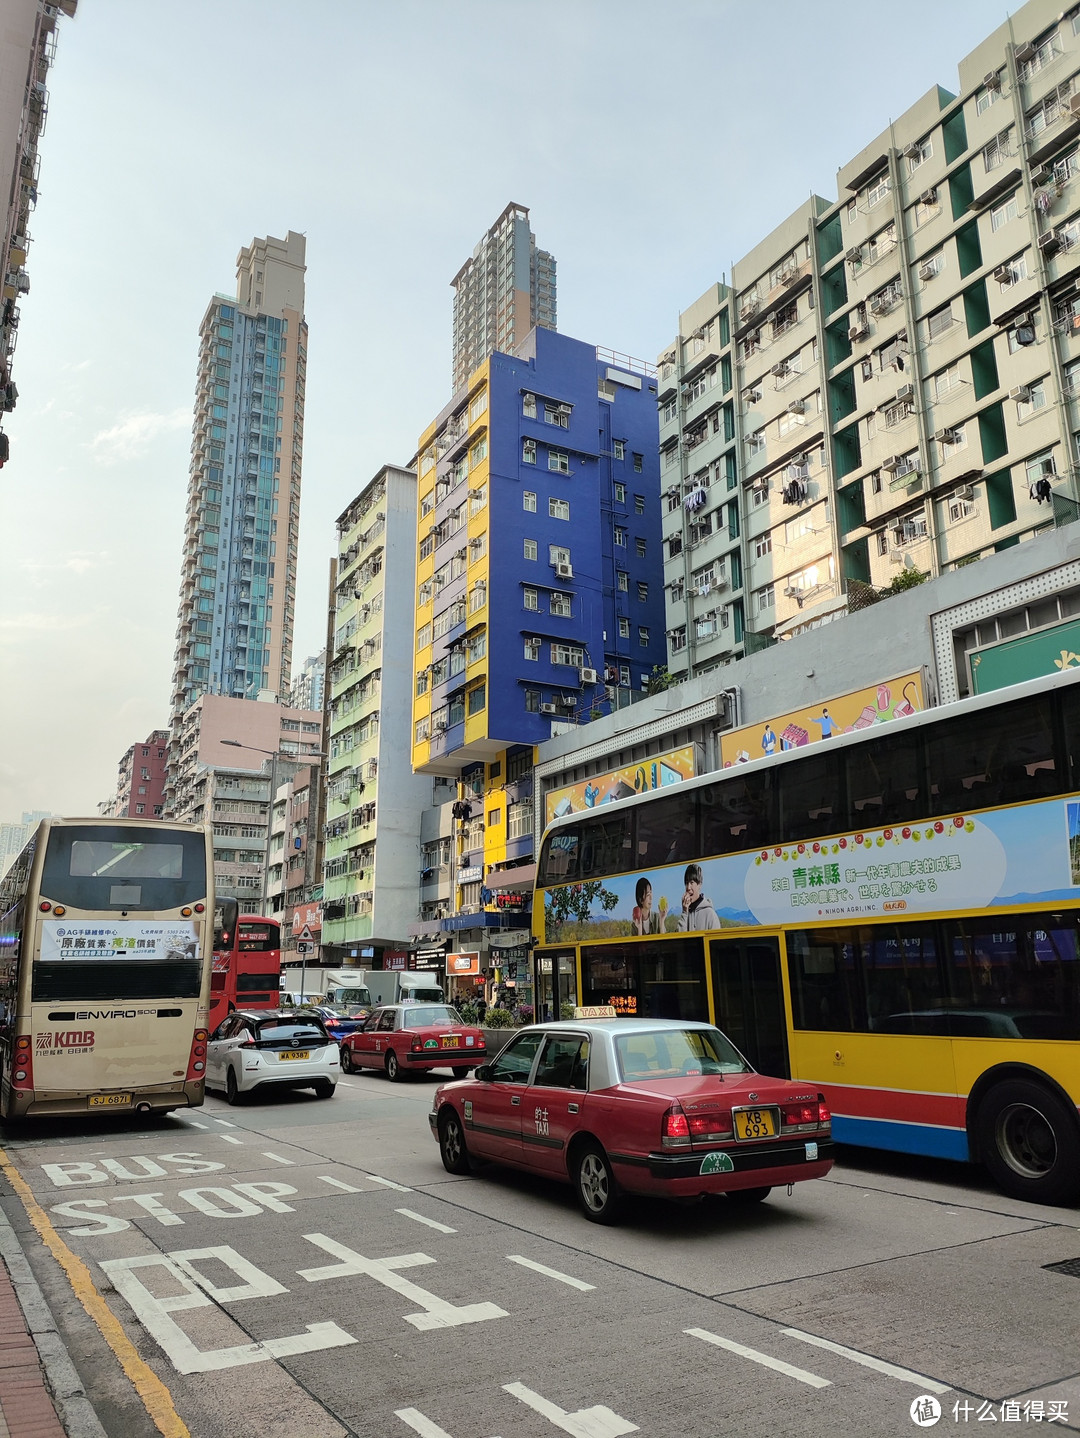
(811,1379)
(224,1122)
(193,1123)
(549,1272)
(278,1159)
(419,1424)
(388,1182)
(437,1312)
(338,1183)
(596,1422)
(928,1385)
(431,1222)
(228,1138)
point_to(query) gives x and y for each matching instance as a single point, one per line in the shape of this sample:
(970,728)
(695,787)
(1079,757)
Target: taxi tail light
(417,1045)
(824,1117)
(711,1125)
(800,1115)
(197,1059)
(22,1075)
(675,1131)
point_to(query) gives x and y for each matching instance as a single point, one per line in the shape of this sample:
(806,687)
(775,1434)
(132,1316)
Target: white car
(271,1048)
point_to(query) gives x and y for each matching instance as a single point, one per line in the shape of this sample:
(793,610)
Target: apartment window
(764,598)
(558,509)
(423,730)
(997,152)
(938,322)
(530,549)
(1036,399)
(528,406)
(478,453)
(881,540)
(987,96)
(670,410)
(640,546)
(528,500)
(140,808)
(639,503)
(528,451)
(755,443)
(620,492)
(423,636)
(643,592)
(678,639)
(531,599)
(877,189)
(624,627)
(571,654)
(559,461)
(557,414)
(624,674)
(476,648)
(532,701)
(623,580)
(479,405)
(643,636)
(759,494)
(896,414)
(955,439)
(494,817)
(639,461)
(477,499)
(532,649)
(1003,213)
(618,448)
(561,605)
(926,209)
(427,546)
(924,152)
(421,682)
(1041,466)
(763,546)
(620,536)
(477,596)
(946,381)
(558,554)
(477,699)
(960,509)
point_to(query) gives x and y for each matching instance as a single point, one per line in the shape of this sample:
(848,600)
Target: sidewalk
(26,1409)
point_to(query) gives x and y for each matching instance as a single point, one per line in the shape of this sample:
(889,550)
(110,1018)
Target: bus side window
(559,860)
(605,847)
(1008,757)
(1070,712)
(811,797)
(735,814)
(666,831)
(885,780)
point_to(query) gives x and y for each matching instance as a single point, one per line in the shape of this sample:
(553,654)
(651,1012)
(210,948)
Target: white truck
(388,986)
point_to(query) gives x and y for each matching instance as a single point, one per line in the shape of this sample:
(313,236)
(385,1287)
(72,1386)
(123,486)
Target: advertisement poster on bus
(1024,855)
(174,940)
(654,773)
(862,708)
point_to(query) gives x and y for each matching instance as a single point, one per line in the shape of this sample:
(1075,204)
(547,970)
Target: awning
(523,877)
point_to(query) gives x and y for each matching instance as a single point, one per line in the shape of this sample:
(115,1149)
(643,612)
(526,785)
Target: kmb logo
(71,1039)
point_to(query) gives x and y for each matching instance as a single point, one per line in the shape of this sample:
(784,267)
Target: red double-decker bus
(247,963)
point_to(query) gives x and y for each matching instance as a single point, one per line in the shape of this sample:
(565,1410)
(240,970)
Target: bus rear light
(59,909)
(23,1065)
(44,906)
(675,1132)
(186,913)
(23,1043)
(200,908)
(197,1064)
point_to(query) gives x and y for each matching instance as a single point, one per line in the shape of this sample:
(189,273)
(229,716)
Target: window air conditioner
(564,409)
(752,396)
(528,399)
(1049,243)
(882,304)
(566,701)
(910,151)
(781,369)
(1021,393)
(1024,53)
(906,391)
(587,676)
(944,436)
(858,331)
(791,592)
(992,81)
(927,271)
(564,570)
(440,725)
(854,255)
(797,406)
(1004,274)
(928,197)
(964,492)
(893,462)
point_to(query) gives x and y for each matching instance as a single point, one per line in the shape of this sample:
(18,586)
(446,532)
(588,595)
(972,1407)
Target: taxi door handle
(572,1107)
(515,1098)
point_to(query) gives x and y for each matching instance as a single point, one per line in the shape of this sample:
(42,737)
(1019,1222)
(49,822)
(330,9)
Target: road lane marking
(389,1183)
(596,1422)
(431,1222)
(228,1138)
(224,1122)
(193,1123)
(278,1159)
(156,1398)
(338,1183)
(778,1364)
(928,1385)
(548,1272)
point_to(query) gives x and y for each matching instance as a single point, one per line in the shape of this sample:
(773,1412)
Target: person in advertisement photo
(697,909)
(644,920)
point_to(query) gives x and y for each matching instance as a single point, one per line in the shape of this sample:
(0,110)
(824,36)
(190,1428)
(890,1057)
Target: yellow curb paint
(156,1398)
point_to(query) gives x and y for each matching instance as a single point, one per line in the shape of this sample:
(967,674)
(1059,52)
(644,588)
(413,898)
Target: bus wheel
(1029,1142)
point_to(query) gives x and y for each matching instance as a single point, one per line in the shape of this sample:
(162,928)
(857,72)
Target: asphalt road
(300,1268)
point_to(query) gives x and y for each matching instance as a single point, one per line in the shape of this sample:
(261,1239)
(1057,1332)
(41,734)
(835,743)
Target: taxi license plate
(294,1054)
(450,1041)
(755,1123)
(109,1100)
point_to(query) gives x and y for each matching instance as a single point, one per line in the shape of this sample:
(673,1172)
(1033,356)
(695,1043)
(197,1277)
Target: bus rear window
(104,866)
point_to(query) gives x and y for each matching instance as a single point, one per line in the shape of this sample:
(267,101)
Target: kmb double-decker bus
(892,915)
(105,954)
(247,962)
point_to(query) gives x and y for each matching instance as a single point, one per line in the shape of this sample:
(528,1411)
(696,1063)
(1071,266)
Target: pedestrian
(481,1007)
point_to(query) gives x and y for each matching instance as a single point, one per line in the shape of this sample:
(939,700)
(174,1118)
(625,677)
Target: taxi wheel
(233,1095)
(346,1059)
(594,1183)
(462,1071)
(324,1088)
(393,1068)
(452,1148)
(1029,1141)
(748,1195)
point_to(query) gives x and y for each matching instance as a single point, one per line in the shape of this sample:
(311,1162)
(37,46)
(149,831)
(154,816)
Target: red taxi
(400,1037)
(653,1106)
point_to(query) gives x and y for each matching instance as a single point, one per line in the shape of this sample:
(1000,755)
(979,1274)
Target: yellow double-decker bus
(106,953)
(892,915)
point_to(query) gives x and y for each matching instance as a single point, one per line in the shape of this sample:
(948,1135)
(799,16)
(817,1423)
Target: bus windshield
(96,867)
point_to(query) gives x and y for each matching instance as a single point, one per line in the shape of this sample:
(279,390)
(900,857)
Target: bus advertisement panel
(105,953)
(655,773)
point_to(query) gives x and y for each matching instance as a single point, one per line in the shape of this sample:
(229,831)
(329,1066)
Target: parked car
(268,1048)
(403,1037)
(340,1019)
(650,1106)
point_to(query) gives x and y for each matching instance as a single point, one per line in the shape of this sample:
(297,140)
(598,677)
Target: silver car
(271,1048)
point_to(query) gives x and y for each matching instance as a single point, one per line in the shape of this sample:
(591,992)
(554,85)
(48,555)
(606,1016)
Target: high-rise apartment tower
(503,291)
(238,587)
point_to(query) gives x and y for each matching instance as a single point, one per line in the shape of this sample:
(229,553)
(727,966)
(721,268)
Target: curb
(74,1409)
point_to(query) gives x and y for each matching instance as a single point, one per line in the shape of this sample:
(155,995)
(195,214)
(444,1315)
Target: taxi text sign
(596,1011)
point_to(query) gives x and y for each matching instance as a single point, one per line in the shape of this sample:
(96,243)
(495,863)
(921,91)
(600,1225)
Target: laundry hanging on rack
(1040,491)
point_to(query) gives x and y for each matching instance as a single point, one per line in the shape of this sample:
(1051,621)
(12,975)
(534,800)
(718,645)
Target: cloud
(134,435)
(80,561)
(15,625)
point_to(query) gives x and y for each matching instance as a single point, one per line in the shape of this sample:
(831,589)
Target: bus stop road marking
(905,1375)
(279,1159)
(419,1424)
(156,1398)
(547,1272)
(596,1422)
(339,1183)
(431,1222)
(811,1379)
(228,1138)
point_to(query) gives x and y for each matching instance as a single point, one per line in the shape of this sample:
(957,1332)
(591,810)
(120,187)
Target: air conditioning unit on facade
(587,676)
(797,406)
(964,492)
(781,369)
(1021,393)
(893,462)
(1004,274)
(548,709)
(853,255)
(910,151)
(906,391)
(858,331)
(566,701)
(928,197)
(1024,53)
(564,570)
(1049,243)
(944,436)
(752,396)
(992,81)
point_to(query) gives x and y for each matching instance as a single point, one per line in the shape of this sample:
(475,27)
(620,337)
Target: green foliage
(659,680)
(566,1011)
(906,579)
(573,901)
(498,1019)
(469,1012)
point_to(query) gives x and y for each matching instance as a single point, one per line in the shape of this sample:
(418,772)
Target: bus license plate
(755,1123)
(450,1041)
(294,1054)
(109,1100)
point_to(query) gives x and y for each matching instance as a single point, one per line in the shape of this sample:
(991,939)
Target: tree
(573,901)
(906,579)
(659,680)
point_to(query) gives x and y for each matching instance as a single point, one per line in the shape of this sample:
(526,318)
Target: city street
(307,1269)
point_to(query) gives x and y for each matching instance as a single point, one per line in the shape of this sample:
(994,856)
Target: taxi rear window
(676,1053)
(418,1018)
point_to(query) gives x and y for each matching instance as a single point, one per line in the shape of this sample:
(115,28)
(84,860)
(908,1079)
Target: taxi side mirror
(483,1073)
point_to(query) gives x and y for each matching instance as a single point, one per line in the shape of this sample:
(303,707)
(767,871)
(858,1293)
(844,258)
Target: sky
(653,143)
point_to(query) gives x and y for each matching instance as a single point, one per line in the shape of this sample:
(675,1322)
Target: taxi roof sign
(596,1011)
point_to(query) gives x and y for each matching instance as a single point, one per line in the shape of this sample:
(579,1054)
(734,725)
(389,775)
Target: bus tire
(1029,1141)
